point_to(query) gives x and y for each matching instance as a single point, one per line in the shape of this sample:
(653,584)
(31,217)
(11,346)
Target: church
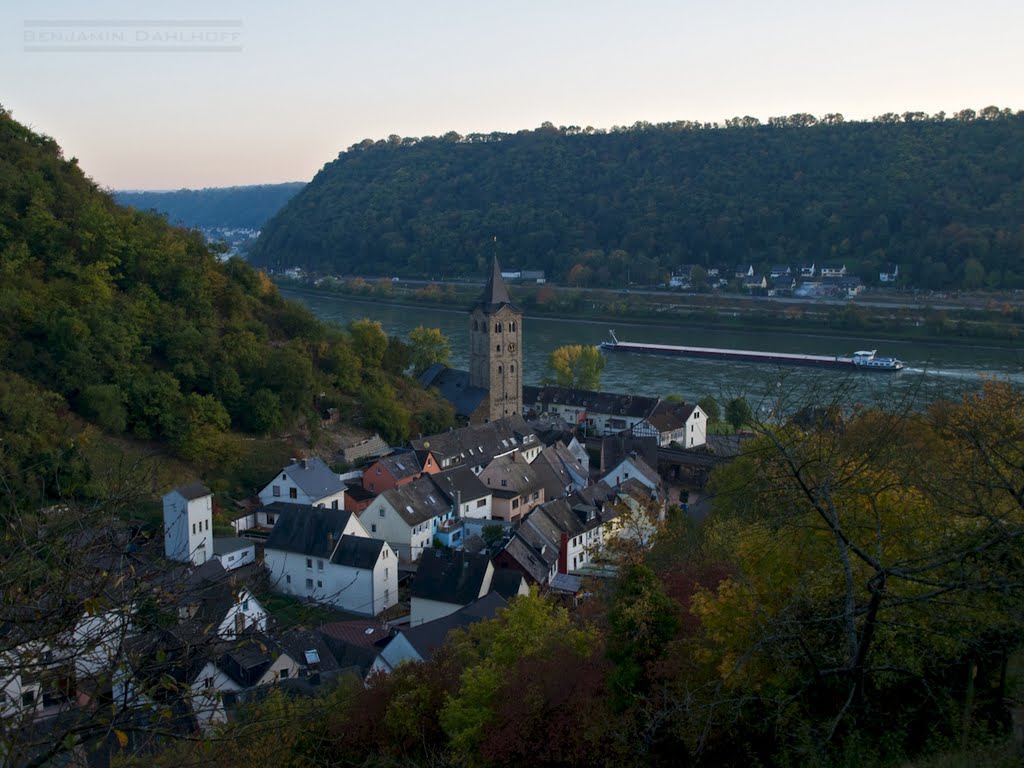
(493,387)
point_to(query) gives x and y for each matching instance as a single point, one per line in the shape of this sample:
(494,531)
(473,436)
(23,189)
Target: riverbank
(995,325)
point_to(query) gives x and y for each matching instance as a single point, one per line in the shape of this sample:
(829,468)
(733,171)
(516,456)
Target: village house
(188,515)
(464,491)
(515,486)
(560,471)
(305,482)
(527,550)
(448,580)
(407,517)
(634,467)
(391,471)
(326,555)
(685,425)
(475,446)
(597,413)
(418,642)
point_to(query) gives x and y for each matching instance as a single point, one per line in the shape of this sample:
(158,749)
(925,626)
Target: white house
(446,582)
(469,497)
(598,413)
(188,515)
(685,425)
(233,552)
(326,555)
(408,516)
(635,468)
(306,481)
(214,603)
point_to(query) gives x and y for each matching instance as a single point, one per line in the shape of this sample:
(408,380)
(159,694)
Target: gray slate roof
(357,552)
(495,294)
(460,483)
(224,545)
(193,491)
(454,387)
(306,530)
(634,406)
(314,477)
(480,443)
(454,577)
(518,476)
(536,564)
(401,465)
(429,636)
(419,501)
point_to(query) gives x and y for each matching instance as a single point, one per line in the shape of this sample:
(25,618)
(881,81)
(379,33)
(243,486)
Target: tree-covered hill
(135,326)
(222,207)
(939,195)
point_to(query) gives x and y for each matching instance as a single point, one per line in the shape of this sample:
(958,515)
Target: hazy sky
(270,91)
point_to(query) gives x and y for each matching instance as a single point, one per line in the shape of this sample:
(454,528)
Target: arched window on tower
(475,327)
(512,326)
(499,369)
(497,327)
(511,369)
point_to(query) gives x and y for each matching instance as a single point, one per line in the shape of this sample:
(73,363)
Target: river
(933,370)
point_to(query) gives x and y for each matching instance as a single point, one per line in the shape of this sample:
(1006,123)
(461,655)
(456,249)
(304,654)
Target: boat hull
(753,356)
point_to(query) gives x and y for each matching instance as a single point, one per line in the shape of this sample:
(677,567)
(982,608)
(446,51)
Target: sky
(165,95)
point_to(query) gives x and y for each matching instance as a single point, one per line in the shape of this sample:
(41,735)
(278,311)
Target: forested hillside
(133,325)
(939,195)
(242,207)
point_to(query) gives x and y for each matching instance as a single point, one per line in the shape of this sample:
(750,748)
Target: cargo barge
(864,360)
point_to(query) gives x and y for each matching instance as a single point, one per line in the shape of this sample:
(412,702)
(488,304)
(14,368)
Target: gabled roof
(596,494)
(552,473)
(508,476)
(536,559)
(355,643)
(454,577)
(427,637)
(506,582)
(668,417)
(460,483)
(495,294)
(314,477)
(480,443)
(193,491)
(615,448)
(306,530)
(641,467)
(357,552)
(454,387)
(419,501)
(401,465)
(611,404)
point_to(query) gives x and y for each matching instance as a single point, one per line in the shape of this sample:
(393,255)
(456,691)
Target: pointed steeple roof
(495,294)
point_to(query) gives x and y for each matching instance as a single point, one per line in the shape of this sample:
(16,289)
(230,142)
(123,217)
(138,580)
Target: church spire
(495,293)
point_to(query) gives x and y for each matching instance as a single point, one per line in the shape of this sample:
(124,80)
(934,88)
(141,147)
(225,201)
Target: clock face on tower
(511,346)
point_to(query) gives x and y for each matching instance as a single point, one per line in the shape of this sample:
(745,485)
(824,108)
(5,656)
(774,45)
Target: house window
(373,528)
(309,563)
(385,573)
(245,605)
(28,698)
(382,511)
(536,495)
(231,558)
(284,673)
(277,490)
(319,565)
(293,493)
(208,682)
(193,528)
(334,504)
(481,503)
(515,503)
(387,594)
(319,584)
(287,579)
(309,584)
(270,519)
(504,483)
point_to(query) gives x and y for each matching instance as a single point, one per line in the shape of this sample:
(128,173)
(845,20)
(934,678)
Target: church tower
(495,348)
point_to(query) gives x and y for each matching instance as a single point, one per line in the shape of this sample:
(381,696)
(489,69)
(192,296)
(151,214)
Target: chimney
(305,464)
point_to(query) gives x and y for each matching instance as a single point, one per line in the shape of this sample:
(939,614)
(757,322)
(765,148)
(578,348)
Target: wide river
(933,370)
